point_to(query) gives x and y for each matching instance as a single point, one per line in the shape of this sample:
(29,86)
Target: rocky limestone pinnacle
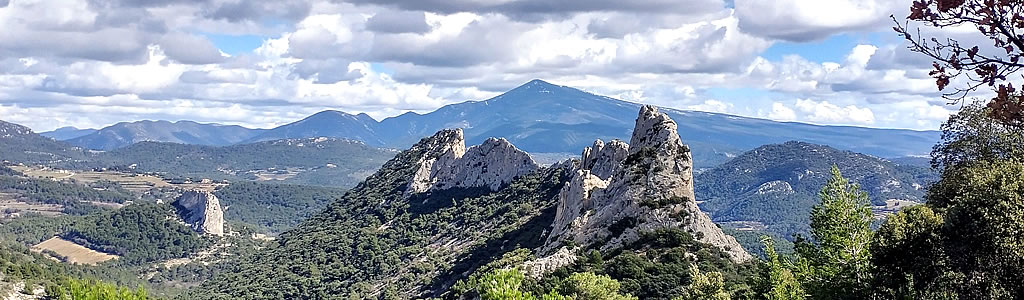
(648,189)
(202,210)
(602,159)
(440,152)
(447,163)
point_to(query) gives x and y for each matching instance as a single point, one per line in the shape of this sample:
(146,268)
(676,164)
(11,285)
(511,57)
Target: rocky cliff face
(201,210)
(448,164)
(620,190)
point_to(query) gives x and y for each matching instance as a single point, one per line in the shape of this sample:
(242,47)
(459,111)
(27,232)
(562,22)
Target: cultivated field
(75,253)
(137,183)
(12,207)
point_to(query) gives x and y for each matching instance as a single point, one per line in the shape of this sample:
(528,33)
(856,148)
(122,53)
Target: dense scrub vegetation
(6,171)
(61,281)
(139,233)
(964,243)
(274,208)
(665,264)
(374,242)
(33,229)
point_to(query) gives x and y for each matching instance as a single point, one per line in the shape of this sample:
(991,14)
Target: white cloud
(108,61)
(806,20)
(713,106)
(780,112)
(830,113)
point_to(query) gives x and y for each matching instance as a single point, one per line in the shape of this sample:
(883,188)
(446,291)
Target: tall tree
(1001,22)
(908,256)
(836,263)
(705,286)
(776,281)
(984,227)
(971,136)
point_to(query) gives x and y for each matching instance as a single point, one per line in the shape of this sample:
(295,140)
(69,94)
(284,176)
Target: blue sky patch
(235,44)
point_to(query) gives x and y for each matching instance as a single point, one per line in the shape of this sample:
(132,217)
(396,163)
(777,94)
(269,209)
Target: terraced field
(11,206)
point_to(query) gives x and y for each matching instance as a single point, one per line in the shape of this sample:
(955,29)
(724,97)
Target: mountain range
(538,117)
(67,133)
(182,132)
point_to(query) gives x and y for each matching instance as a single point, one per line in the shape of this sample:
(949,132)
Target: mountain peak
(8,129)
(537,86)
(651,187)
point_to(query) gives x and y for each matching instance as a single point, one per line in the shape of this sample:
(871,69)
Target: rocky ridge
(448,164)
(202,211)
(620,190)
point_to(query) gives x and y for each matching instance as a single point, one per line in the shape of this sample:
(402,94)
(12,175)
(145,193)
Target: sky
(93,63)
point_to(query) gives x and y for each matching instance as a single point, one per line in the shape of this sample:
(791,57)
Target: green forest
(274,208)
(964,243)
(139,233)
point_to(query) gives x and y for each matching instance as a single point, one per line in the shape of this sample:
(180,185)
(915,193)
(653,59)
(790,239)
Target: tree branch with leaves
(1000,21)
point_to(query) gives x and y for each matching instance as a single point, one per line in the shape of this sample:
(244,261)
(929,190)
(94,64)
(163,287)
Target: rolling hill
(182,132)
(314,161)
(20,144)
(776,185)
(67,133)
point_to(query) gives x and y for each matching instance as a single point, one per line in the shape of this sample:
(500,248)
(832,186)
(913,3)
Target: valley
(267,195)
(511,150)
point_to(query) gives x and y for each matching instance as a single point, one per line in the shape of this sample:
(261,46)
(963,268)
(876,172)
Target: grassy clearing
(71,252)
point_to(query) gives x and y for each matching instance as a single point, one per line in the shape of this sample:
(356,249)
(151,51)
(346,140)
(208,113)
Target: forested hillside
(271,207)
(776,185)
(315,161)
(20,144)
(374,237)
(139,233)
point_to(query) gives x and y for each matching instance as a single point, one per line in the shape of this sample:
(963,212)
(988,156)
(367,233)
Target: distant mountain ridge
(67,133)
(329,123)
(538,117)
(183,132)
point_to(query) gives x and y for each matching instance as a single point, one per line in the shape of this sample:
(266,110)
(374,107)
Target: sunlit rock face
(202,210)
(634,188)
(448,164)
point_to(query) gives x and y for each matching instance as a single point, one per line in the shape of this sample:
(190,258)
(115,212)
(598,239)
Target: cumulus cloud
(824,111)
(543,9)
(190,49)
(398,22)
(712,106)
(807,20)
(780,112)
(104,61)
(241,10)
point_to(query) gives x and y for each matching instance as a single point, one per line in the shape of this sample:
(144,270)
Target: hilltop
(439,210)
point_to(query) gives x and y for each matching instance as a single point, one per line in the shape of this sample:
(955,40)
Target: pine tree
(777,281)
(836,264)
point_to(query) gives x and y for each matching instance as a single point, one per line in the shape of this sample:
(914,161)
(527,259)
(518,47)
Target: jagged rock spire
(447,163)
(650,188)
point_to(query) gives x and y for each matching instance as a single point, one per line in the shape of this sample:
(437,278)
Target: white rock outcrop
(202,210)
(447,164)
(635,188)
